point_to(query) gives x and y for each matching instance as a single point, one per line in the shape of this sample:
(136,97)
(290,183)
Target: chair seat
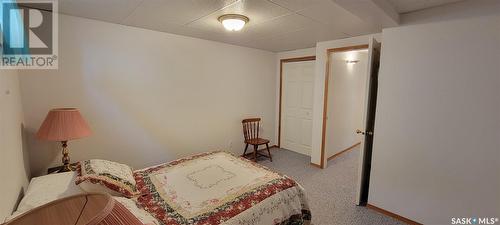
(257,141)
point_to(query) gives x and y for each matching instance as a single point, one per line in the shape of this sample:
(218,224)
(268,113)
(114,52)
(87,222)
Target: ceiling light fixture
(233,22)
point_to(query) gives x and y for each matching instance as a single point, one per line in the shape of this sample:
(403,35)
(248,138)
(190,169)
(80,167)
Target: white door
(368,122)
(297,105)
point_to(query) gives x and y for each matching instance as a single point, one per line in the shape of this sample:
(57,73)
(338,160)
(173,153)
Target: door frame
(325,94)
(287,60)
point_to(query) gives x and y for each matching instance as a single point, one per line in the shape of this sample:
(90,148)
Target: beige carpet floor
(331,191)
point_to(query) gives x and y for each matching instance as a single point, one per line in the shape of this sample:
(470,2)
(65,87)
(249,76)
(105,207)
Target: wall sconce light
(351,61)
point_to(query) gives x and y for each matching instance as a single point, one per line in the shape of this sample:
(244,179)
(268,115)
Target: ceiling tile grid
(275,25)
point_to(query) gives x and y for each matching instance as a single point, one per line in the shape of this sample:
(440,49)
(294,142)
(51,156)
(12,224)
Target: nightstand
(58,169)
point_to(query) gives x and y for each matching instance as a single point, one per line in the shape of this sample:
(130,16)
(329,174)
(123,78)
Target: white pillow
(102,176)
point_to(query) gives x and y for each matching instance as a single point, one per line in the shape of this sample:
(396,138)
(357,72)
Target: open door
(369,121)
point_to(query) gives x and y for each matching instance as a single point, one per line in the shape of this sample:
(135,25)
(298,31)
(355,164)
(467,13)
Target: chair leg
(245,152)
(255,147)
(269,152)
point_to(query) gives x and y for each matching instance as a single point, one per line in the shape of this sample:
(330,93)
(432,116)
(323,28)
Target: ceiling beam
(380,13)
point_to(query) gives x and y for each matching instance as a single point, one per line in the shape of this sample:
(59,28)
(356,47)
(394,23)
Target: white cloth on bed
(45,189)
(48,188)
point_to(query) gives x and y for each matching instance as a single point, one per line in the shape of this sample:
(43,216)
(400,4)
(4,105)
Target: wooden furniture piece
(85,209)
(251,128)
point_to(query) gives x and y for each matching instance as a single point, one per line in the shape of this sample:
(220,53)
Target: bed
(207,188)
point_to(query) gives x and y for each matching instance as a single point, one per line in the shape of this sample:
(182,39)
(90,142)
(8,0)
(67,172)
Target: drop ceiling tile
(338,19)
(282,24)
(166,13)
(106,10)
(275,25)
(358,28)
(298,39)
(327,13)
(404,6)
(296,5)
(257,11)
(319,33)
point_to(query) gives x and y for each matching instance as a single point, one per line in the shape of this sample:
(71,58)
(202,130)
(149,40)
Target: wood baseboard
(393,215)
(343,151)
(316,165)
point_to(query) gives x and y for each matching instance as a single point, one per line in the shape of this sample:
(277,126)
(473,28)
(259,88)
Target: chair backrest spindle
(251,128)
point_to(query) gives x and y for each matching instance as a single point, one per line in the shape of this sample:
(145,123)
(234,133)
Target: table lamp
(63,124)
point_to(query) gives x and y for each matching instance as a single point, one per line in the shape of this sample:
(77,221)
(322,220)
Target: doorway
(349,108)
(296,104)
(346,93)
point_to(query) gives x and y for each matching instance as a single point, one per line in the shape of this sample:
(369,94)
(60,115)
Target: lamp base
(65,168)
(60,169)
(65,159)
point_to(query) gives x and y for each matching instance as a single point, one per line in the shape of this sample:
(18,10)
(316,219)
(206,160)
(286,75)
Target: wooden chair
(251,133)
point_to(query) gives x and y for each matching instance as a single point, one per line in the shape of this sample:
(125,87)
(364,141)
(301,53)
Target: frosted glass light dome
(233,22)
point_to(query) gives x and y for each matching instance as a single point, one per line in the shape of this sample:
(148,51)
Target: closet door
(297,104)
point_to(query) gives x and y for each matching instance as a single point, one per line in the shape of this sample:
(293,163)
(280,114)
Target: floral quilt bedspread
(219,188)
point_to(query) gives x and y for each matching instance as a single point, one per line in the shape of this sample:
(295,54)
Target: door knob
(363,132)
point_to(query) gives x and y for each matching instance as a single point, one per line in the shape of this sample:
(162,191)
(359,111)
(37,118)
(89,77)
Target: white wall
(148,96)
(346,100)
(319,87)
(437,132)
(458,10)
(14,163)
(295,54)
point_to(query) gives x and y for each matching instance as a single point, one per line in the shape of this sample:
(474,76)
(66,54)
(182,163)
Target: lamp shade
(63,124)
